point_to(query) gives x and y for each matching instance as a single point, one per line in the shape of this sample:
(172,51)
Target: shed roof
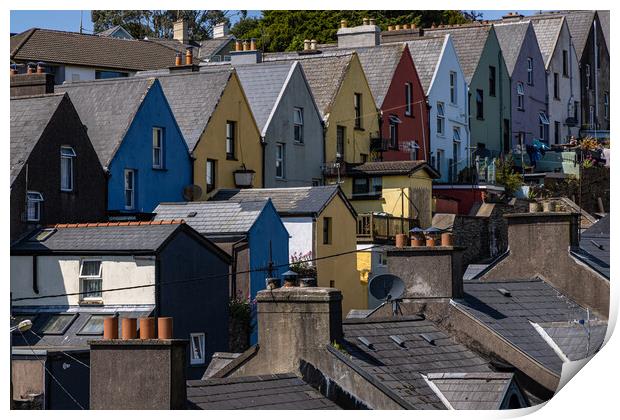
(426,52)
(30,117)
(511,37)
(594,246)
(401,167)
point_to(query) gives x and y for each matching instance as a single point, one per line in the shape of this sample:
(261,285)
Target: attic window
(504,292)
(428,339)
(398,340)
(192,214)
(365,342)
(42,235)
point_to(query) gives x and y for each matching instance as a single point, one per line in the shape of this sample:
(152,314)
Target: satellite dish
(192,192)
(386,287)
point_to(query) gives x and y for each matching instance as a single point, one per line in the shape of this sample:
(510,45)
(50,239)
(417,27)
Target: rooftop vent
(428,339)
(596,244)
(365,342)
(398,340)
(192,214)
(504,292)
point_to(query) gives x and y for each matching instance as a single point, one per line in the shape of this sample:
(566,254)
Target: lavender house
(528,89)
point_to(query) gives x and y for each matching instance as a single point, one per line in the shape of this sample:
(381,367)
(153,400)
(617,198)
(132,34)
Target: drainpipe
(35,275)
(595,79)
(570,69)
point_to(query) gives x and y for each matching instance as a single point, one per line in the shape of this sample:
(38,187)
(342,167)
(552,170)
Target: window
(340,136)
(367,187)
(520,97)
(577,111)
(130,189)
(506,133)
(363,157)
(210,175)
(521,138)
(33,206)
(565,63)
(587,76)
(57,323)
(66,168)
(530,71)
(606,99)
(158,147)
(441,118)
(230,139)
(298,125)
(492,81)
(556,132)
(94,325)
(591,116)
(408,99)
(105,74)
(543,124)
(327,230)
(279,160)
(357,103)
(393,134)
(556,86)
(197,342)
(90,279)
(456,145)
(382,257)
(479,104)
(453,82)
(332,283)
(439,161)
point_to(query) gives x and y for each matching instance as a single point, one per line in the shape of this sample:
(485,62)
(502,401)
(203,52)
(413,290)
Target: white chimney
(367,35)
(220,30)
(181,33)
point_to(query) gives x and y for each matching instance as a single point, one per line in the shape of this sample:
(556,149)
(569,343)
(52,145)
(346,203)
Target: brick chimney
(32,83)
(220,30)
(249,54)
(366,35)
(181,32)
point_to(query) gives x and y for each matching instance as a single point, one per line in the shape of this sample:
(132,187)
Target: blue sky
(69,20)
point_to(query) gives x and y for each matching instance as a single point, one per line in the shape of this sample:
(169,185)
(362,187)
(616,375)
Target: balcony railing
(382,228)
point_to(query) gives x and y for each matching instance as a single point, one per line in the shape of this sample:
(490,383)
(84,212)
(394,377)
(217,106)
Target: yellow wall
(342,269)
(233,106)
(342,112)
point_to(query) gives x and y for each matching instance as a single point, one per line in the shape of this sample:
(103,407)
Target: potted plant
(417,237)
(532,195)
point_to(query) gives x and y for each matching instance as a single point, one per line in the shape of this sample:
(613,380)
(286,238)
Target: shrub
(506,176)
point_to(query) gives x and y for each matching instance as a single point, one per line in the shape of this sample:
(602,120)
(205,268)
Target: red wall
(413,127)
(466,197)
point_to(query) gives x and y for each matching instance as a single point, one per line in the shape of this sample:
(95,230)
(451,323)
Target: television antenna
(388,288)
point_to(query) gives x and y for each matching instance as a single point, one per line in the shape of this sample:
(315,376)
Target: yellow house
(346,103)
(218,125)
(321,223)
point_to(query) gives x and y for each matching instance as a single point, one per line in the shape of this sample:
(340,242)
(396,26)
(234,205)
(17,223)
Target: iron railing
(382,228)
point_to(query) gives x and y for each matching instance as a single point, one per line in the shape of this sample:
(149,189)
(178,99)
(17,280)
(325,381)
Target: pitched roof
(29,119)
(604,17)
(112,30)
(288,201)
(469,42)
(594,246)
(100,237)
(214,217)
(511,317)
(193,97)
(472,391)
(90,50)
(263,86)
(107,108)
(284,391)
(397,167)
(575,341)
(209,47)
(547,31)
(324,74)
(579,24)
(511,37)
(426,52)
(399,368)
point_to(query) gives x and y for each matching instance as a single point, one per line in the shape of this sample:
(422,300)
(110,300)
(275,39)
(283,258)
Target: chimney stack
(343,23)
(366,35)
(178,59)
(365,21)
(180,31)
(220,30)
(313,43)
(33,82)
(252,44)
(248,54)
(189,56)
(306,44)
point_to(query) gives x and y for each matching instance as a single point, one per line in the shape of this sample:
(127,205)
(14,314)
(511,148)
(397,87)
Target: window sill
(94,302)
(366,197)
(160,169)
(480,118)
(231,158)
(409,115)
(67,191)
(298,143)
(359,129)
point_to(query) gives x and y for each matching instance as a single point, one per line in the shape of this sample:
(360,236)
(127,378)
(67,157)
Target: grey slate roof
(288,201)
(469,42)
(193,97)
(283,391)
(263,85)
(579,24)
(572,338)
(426,52)
(29,119)
(604,17)
(472,391)
(400,368)
(107,108)
(511,37)
(547,31)
(594,246)
(214,217)
(474,270)
(209,47)
(510,317)
(100,237)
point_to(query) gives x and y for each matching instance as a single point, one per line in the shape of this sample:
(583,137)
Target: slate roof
(399,167)
(300,201)
(29,119)
(324,74)
(209,47)
(110,31)
(426,53)
(283,391)
(74,48)
(604,17)
(572,338)
(107,108)
(531,301)
(469,42)
(547,31)
(263,84)
(193,97)
(472,391)
(511,37)
(400,368)
(214,217)
(579,24)
(594,246)
(99,237)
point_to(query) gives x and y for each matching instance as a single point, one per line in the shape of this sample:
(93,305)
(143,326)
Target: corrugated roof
(511,37)
(29,118)
(107,108)
(426,53)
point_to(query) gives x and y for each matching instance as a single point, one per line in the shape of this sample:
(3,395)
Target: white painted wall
(300,230)
(60,275)
(456,114)
(76,74)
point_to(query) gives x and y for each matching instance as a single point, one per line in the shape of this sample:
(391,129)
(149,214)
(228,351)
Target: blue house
(251,232)
(137,139)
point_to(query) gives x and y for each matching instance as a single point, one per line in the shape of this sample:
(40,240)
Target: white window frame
(408,99)
(132,189)
(520,96)
(542,122)
(33,198)
(453,90)
(587,76)
(441,118)
(84,278)
(280,157)
(298,124)
(158,147)
(66,155)
(210,174)
(393,134)
(530,71)
(200,360)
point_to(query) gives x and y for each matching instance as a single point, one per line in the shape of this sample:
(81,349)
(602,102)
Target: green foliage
(339,347)
(301,264)
(506,176)
(285,30)
(240,309)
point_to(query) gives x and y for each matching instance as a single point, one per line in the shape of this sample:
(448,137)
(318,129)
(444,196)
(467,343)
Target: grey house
(289,120)
(526,69)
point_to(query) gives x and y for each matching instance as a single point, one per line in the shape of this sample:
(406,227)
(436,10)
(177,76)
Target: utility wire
(194,279)
(66,354)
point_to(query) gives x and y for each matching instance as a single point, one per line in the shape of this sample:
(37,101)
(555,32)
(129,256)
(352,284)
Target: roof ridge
(113,224)
(41,95)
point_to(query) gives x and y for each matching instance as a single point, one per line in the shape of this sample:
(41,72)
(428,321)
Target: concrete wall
(27,377)
(302,161)
(60,275)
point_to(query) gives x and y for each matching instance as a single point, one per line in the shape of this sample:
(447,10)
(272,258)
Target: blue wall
(268,227)
(135,152)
